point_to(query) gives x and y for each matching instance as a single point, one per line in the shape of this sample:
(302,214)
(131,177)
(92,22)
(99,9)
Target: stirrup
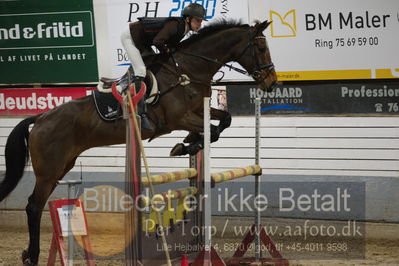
(137,82)
(146,124)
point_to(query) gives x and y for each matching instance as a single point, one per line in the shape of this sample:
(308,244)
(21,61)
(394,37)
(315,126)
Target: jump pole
(132,188)
(137,131)
(257,233)
(258,216)
(208,255)
(207,183)
(71,194)
(134,149)
(208,179)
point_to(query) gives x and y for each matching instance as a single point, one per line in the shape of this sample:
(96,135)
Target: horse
(60,135)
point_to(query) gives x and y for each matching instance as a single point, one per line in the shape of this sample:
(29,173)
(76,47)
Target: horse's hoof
(192,138)
(178,150)
(25,259)
(27,262)
(24,255)
(195,148)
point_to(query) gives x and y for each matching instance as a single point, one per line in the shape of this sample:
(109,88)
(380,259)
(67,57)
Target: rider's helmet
(194,10)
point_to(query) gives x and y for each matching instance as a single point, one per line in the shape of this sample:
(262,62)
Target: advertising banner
(20,102)
(47,42)
(317,99)
(318,40)
(121,12)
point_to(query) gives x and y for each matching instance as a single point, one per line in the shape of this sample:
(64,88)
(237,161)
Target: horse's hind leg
(46,181)
(34,209)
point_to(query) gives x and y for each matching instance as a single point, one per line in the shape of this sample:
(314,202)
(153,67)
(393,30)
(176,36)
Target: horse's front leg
(224,118)
(192,122)
(196,139)
(194,147)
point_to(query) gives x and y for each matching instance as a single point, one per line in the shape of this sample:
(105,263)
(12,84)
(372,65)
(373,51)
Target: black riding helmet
(194,10)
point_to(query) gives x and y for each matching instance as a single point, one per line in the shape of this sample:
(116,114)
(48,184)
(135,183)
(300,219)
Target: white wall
(356,146)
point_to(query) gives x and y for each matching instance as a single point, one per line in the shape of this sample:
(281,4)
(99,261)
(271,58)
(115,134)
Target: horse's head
(255,57)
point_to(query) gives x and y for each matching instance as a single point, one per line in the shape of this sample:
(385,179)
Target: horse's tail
(17,155)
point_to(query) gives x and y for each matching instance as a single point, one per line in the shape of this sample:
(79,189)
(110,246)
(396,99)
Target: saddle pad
(107,106)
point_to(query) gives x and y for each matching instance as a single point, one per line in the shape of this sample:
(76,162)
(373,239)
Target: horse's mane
(156,60)
(214,27)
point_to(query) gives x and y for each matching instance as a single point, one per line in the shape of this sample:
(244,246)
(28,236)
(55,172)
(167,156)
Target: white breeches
(134,54)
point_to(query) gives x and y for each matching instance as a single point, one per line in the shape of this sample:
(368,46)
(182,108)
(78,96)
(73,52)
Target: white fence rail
(358,146)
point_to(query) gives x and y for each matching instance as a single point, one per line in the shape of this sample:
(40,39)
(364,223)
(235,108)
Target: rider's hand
(171,50)
(163,49)
(168,50)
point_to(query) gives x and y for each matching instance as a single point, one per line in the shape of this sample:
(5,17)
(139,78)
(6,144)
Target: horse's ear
(260,27)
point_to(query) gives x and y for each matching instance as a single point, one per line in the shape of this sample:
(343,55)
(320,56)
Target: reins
(184,79)
(214,61)
(255,73)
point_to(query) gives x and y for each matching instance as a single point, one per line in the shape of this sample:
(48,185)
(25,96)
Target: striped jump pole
(170,177)
(236,173)
(170,195)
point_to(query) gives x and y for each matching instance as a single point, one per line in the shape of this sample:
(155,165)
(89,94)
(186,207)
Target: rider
(164,34)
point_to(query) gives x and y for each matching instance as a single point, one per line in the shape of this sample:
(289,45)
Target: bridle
(256,73)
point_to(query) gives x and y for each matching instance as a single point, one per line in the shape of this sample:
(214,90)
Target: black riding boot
(146,125)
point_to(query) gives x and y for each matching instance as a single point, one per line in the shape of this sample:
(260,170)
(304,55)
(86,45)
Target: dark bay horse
(59,136)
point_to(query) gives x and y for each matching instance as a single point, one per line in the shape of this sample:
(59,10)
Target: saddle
(108,107)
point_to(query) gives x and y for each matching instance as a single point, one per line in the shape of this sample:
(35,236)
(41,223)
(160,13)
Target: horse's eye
(261,44)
